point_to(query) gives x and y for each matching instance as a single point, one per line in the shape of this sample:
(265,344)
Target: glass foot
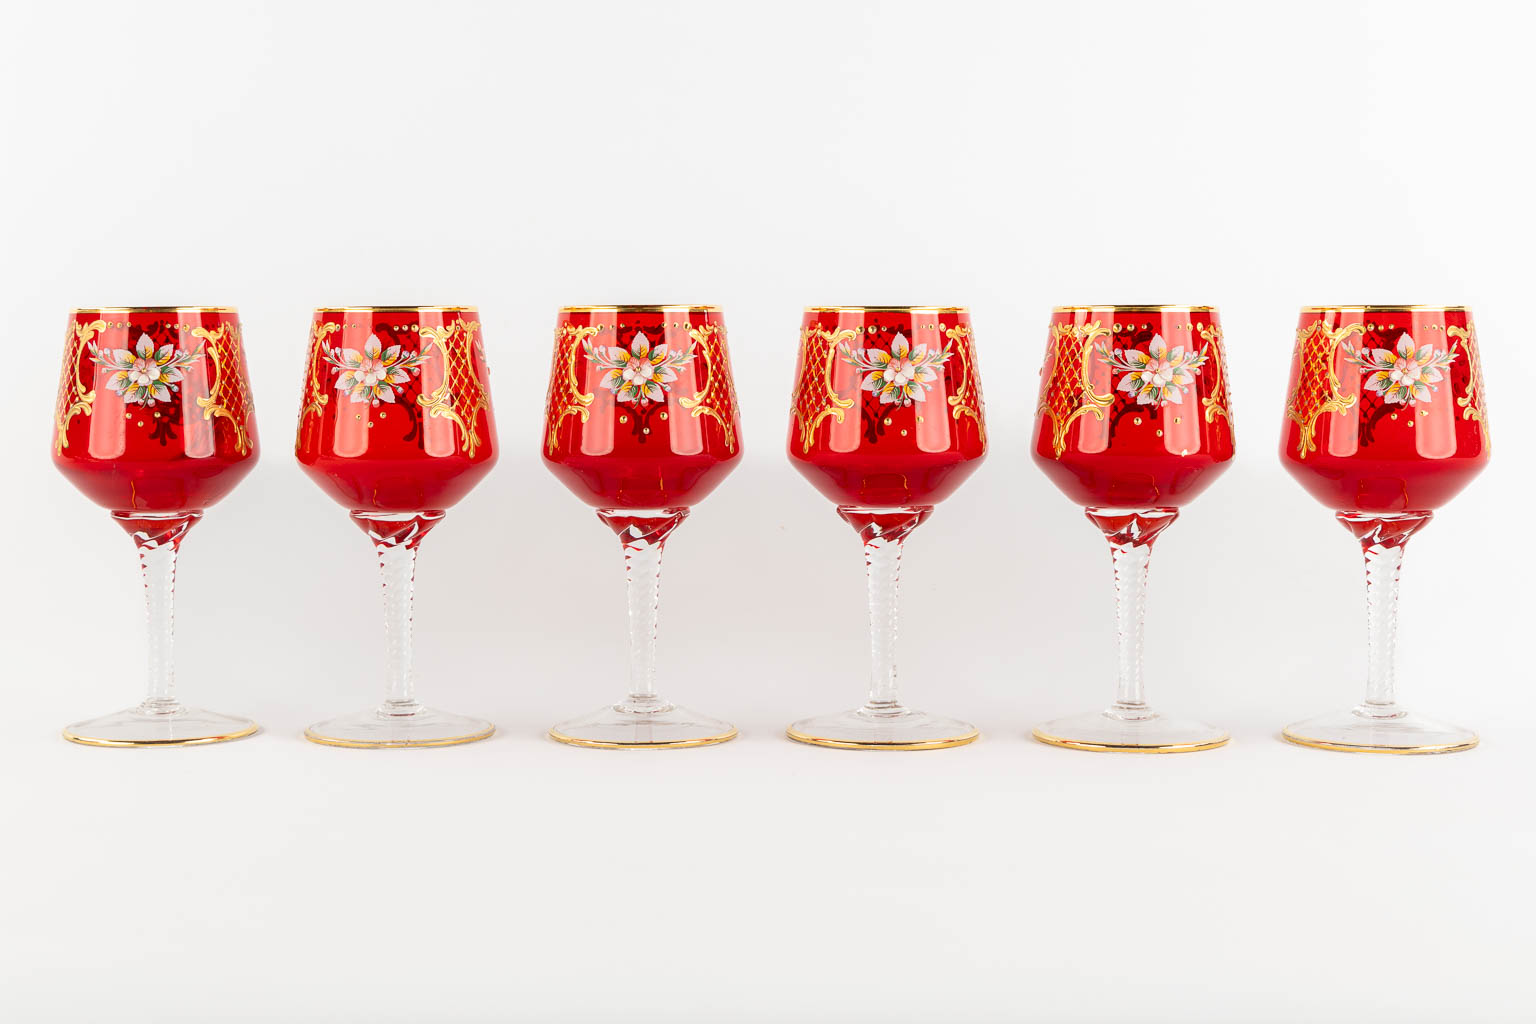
(381,727)
(1403,733)
(643,725)
(137,727)
(1155,734)
(861,729)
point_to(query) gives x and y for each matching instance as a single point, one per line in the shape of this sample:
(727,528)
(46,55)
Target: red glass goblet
(641,424)
(887,422)
(1385,422)
(397,427)
(154,422)
(1134,421)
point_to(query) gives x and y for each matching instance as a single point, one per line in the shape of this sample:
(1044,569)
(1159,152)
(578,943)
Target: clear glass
(400,721)
(1378,724)
(883,722)
(160,719)
(643,719)
(1130,724)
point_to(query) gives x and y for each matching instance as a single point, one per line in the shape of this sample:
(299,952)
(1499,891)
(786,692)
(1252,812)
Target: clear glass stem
(158,537)
(395,539)
(1382,540)
(1130,534)
(643,534)
(883,531)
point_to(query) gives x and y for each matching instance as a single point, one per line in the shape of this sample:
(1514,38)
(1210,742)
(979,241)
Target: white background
(763,157)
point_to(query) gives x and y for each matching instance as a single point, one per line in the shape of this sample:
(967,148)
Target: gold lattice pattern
(1069,392)
(1318,389)
(229,396)
(74,396)
(966,401)
(815,398)
(565,395)
(462,396)
(1216,402)
(316,394)
(717,398)
(1472,403)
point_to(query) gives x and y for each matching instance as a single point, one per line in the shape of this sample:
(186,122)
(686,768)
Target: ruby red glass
(1385,421)
(154,422)
(1134,420)
(641,424)
(396,427)
(887,422)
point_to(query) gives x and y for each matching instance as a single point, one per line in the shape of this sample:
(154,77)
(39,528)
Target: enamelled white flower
(642,373)
(1158,376)
(898,377)
(144,374)
(376,374)
(1403,377)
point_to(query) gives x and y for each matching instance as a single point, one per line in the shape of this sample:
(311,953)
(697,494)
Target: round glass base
(904,729)
(136,727)
(382,727)
(1155,734)
(1403,733)
(643,725)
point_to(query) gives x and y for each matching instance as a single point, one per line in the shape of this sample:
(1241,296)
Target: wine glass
(1134,420)
(1386,421)
(641,424)
(396,426)
(154,423)
(887,422)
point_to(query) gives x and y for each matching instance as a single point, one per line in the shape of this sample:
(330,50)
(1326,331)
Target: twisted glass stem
(1382,540)
(643,534)
(1130,534)
(158,537)
(882,564)
(884,531)
(395,538)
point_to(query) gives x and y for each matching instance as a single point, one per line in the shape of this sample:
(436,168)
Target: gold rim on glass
(153,309)
(395,309)
(1384,309)
(671,307)
(1363,748)
(1135,309)
(707,741)
(196,741)
(1129,748)
(887,309)
(939,744)
(451,741)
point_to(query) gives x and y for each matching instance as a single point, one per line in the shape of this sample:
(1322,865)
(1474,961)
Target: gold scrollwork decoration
(718,392)
(1217,403)
(565,395)
(317,396)
(1070,394)
(228,394)
(74,397)
(817,394)
(461,397)
(1318,388)
(966,401)
(1471,404)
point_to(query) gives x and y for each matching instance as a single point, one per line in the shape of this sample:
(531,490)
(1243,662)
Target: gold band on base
(707,741)
(1432,748)
(1129,748)
(90,741)
(452,741)
(939,744)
